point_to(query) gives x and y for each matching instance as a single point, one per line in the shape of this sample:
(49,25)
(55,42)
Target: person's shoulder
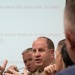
(36,73)
(68,71)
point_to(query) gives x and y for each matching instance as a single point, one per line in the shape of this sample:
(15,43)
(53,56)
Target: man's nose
(37,53)
(28,63)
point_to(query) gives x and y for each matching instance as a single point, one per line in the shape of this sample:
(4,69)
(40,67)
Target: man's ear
(52,54)
(70,41)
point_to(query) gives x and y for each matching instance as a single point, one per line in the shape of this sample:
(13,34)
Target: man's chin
(38,64)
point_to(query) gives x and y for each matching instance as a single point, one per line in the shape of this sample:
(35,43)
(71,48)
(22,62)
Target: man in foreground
(69,26)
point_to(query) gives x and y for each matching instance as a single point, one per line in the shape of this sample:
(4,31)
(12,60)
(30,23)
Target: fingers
(47,70)
(55,69)
(2,68)
(50,70)
(7,74)
(13,72)
(17,73)
(4,64)
(25,71)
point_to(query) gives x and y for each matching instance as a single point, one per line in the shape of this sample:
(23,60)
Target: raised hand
(2,68)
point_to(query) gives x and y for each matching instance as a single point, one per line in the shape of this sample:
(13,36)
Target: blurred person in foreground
(69,27)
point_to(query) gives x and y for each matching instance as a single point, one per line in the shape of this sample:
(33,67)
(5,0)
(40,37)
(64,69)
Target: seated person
(28,60)
(27,56)
(62,60)
(66,59)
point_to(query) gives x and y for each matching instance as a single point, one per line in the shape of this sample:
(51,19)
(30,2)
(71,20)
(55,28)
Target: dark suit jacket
(68,71)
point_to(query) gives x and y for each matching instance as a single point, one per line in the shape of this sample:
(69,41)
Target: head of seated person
(28,60)
(66,59)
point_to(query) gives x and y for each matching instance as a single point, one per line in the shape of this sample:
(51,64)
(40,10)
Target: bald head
(49,42)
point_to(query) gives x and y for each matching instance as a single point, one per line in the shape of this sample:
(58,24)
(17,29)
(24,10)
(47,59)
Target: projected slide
(21,21)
